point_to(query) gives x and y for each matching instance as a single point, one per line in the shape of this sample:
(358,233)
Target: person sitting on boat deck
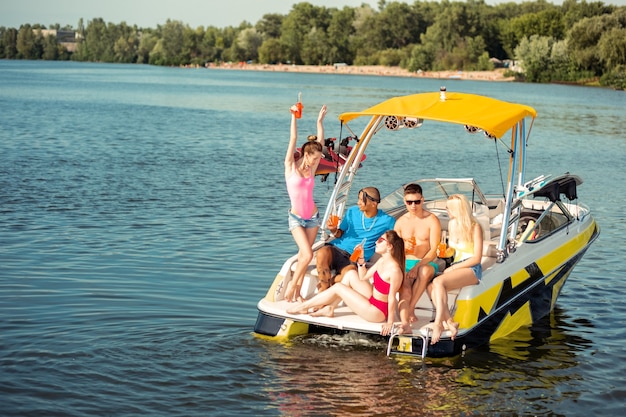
(465,235)
(421,231)
(304,218)
(375,303)
(363,222)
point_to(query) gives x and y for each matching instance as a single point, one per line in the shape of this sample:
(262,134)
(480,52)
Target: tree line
(574,42)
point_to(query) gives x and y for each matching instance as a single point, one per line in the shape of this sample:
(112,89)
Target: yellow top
(464,250)
(493,116)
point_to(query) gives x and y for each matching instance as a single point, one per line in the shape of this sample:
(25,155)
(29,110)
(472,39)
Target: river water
(143,215)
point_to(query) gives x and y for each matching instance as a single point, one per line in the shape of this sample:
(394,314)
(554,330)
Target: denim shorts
(297,221)
(477,269)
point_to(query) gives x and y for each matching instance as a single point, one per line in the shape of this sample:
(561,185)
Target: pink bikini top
(300,191)
(380,285)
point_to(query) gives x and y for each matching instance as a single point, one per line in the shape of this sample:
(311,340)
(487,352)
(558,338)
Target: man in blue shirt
(361,223)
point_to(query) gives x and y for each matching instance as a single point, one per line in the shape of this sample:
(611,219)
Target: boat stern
(278,327)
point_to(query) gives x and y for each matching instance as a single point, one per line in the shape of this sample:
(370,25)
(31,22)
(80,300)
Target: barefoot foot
(292,293)
(437,330)
(326,311)
(405,328)
(453,327)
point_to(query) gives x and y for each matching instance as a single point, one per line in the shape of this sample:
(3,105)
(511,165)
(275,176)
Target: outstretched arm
(291,148)
(320,125)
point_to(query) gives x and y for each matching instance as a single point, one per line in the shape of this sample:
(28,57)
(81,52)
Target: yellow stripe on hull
(512,322)
(469,312)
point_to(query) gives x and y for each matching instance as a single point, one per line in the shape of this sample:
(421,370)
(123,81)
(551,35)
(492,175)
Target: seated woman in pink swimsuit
(376,303)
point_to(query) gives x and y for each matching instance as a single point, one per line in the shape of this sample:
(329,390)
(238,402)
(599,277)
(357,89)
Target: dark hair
(311,146)
(397,248)
(413,189)
(370,193)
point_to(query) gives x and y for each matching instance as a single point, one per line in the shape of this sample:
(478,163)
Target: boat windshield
(437,189)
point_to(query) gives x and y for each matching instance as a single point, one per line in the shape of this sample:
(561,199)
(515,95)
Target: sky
(150,13)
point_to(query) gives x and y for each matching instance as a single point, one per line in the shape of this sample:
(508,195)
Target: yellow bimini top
(493,116)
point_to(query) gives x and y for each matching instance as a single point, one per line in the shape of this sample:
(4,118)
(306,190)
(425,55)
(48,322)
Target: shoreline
(379,70)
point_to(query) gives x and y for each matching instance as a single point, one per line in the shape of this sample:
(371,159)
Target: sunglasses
(381,239)
(409,202)
(365,196)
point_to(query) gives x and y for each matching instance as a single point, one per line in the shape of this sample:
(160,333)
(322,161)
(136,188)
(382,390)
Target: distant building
(66,38)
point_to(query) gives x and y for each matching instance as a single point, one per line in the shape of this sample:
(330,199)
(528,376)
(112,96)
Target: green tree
(249,41)
(396,26)
(29,44)
(125,44)
(548,22)
(363,42)
(50,48)
(9,41)
(271,52)
(296,25)
(612,48)
(270,26)
(227,37)
(315,49)
(157,54)
(573,11)
(172,45)
(583,39)
(147,42)
(534,54)
(340,31)
(212,45)
(422,57)
(561,65)
(95,45)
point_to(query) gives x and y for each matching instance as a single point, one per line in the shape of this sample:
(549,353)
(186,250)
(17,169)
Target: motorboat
(535,230)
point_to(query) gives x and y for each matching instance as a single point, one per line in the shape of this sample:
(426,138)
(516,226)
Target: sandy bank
(495,75)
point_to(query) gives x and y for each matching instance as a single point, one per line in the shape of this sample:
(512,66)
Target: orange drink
(333,220)
(298,111)
(411,247)
(358,252)
(441,250)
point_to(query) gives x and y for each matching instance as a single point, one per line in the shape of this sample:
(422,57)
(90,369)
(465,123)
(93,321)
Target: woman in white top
(466,237)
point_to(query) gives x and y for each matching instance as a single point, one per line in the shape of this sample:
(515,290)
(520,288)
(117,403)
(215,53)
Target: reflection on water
(350,375)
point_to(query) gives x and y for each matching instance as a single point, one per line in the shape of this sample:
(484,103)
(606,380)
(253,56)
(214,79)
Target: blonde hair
(464,221)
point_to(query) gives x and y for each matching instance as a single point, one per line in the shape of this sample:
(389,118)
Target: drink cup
(441,250)
(299,107)
(299,111)
(358,252)
(410,247)
(333,220)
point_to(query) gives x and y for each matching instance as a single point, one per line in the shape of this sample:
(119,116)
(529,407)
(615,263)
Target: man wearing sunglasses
(361,223)
(421,231)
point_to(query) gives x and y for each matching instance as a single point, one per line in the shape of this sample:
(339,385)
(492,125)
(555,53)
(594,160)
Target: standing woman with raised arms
(304,217)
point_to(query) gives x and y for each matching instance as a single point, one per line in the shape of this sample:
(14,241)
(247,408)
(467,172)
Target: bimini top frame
(493,117)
